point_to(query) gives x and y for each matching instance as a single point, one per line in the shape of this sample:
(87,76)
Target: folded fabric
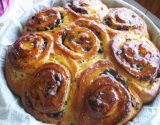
(3,6)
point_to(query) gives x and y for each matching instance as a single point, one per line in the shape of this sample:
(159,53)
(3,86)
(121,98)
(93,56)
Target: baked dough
(84,64)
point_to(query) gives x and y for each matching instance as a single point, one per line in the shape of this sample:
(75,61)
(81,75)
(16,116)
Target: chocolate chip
(137,105)
(98,32)
(45,39)
(44,45)
(100,50)
(61,15)
(106,21)
(122,28)
(144,78)
(64,35)
(80,10)
(70,38)
(36,43)
(116,89)
(70,5)
(58,22)
(82,4)
(79,42)
(33,17)
(119,52)
(45,28)
(16,53)
(58,77)
(133,102)
(37,98)
(29,104)
(112,99)
(125,86)
(87,49)
(37,74)
(128,39)
(115,74)
(158,74)
(66,103)
(49,16)
(51,26)
(55,115)
(84,12)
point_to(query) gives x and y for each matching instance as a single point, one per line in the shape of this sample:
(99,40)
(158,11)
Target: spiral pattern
(87,8)
(122,20)
(47,19)
(46,91)
(139,57)
(77,42)
(28,50)
(101,96)
(83,64)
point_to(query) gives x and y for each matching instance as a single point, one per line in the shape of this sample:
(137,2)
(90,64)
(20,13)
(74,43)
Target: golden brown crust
(48,19)
(80,40)
(125,21)
(91,9)
(71,46)
(100,96)
(29,50)
(84,64)
(14,79)
(136,56)
(46,92)
(23,55)
(148,93)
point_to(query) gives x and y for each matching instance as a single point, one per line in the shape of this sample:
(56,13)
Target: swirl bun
(139,58)
(23,55)
(29,49)
(123,20)
(84,64)
(87,9)
(81,40)
(100,96)
(46,93)
(47,19)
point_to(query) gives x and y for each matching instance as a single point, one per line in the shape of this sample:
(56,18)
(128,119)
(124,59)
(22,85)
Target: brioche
(84,64)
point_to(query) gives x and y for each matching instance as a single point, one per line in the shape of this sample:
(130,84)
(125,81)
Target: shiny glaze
(45,91)
(28,50)
(45,20)
(84,6)
(87,8)
(100,98)
(123,19)
(100,95)
(78,42)
(29,46)
(140,57)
